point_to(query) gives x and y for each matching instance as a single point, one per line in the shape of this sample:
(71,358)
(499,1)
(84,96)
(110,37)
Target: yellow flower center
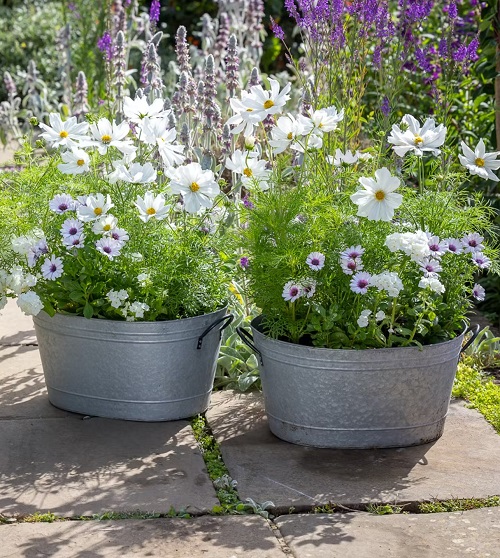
(106,228)
(98,211)
(380,195)
(106,138)
(194,187)
(249,110)
(289,136)
(418,140)
(63,134)
(268,104)
(247,172)
(479,162)
(150,210)
(80,162)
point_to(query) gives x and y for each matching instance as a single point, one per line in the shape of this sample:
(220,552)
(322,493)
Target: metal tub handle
(226,319)
(475,330)
(247,338)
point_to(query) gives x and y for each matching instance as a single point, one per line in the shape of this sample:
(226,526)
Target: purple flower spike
(154,12)
(277,30)
(105,45)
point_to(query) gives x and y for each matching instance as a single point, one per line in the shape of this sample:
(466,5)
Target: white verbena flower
(416,138)
(197,186)
(76,161)
(363,318)
(479,162)
(377,201)
(138,309)
(117,298)
(30,303)
(388,281)
(52,268)
(64,134)
(432,283)
(415,245)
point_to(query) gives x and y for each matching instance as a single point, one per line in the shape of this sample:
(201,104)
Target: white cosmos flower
(348,158)
(64,134)
(95,207)
(61,203)
(109,247)
(287,130)
(76,161)
(251,169)
(267,102)
(30,303)
(312,143)
(152,206)
(135,174)
(197,186)
(326,119)
(137,109)
(479,162)
(155,132)
(52,268)
(377,201)
(105,224)
(416,138)
(245,118)
(106,134)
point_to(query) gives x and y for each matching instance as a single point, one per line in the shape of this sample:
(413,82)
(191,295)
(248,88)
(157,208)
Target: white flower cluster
(388,281)
(16,282)
(130,311)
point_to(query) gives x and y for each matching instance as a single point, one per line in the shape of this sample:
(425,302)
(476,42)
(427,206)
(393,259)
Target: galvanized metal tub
(372,398)
(142,371)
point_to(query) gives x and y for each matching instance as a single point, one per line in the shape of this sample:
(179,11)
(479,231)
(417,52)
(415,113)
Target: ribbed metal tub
(372,398)
(143,371)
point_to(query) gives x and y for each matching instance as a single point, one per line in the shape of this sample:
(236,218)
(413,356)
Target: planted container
(143,371)
(370,398)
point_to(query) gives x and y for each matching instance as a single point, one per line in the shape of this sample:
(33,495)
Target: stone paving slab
(15,327)
(203,537)
(75,467)
(463,463)
(474,533)
(22,385)
(6,154)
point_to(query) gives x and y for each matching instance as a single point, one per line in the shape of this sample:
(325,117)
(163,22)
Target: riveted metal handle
(247,338)
(226,319)
(475,330)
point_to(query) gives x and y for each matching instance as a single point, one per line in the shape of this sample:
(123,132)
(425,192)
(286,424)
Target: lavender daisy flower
(436,247)
(109,247)
(352,252)
(61,203)
(120,235)
(71,228)
(430,267)
(472,242)
(453,245)
(360,282)
(74,241)
(292,291)
(349,266)
(478,292)
(482,261)
(316,261)
(52,268)
(308,287)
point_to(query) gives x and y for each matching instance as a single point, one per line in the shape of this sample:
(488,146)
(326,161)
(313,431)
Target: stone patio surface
(60,462)
(463,463)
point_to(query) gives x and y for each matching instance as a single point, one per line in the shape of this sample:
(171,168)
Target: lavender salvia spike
(227,138)
(232,66)
(210,95)
(80,101)
(182,50)
(207,33)
(10,86)
(139,94)
(222,36)
(154,73)
(181,102)
(172,122)
(167,104)
(185,135)
(119,82)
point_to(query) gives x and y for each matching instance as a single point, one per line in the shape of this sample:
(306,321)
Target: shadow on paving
(75,467)
(224,537)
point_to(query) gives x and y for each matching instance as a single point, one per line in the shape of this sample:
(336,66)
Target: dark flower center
(362,283)
(73,231)
(351,265)
(472,243)
(434,247)
(452,248)
(63,207)
(294,291)
(315,261)
(107,249)
(53,268)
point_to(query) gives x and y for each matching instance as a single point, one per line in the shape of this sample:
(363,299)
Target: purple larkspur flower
(385,107)
(105,45)
(452,11)
(247,202)
(244,262)
(154,11)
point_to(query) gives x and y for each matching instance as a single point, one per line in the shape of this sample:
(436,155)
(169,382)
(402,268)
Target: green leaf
(88,311)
